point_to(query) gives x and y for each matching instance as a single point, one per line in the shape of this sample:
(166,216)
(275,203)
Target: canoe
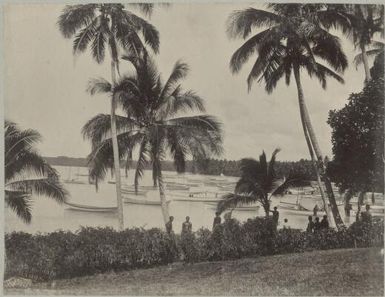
(175,187)
(142,201)
(241,207)
(91,208)
(74,181)
(132,192)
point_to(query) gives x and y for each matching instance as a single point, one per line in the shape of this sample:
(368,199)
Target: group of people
(316,225)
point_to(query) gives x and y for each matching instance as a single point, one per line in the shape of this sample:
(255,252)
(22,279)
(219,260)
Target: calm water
(47,215)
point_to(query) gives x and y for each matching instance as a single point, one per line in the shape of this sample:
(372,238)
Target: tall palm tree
(359,22)
(98,25)
(258,183)
(26,172)
(292,41)
(153,123)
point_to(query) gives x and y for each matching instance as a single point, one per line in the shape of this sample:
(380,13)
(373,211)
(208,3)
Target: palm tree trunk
(311,152)
(366,63)
(163,200)
(115,150)
(321,167)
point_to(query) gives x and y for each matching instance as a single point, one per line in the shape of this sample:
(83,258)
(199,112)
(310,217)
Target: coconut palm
(292,41)
(258,183)
(101,25)
(26,172)
(359,22)
(154,124)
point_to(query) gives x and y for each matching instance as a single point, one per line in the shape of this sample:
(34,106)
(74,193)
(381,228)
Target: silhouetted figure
(169,225)
(285,224)
(310,225)
(366,216)
(217,219)
(373,199)
(275,215)
(317,225)
(348,208)
(325,222)
(315,210)
(187,226)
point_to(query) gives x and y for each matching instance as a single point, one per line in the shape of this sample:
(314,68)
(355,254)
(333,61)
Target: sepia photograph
(192,148)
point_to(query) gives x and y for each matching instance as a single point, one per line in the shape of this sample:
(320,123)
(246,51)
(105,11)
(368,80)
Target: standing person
(325,222)
(275,216)
(366,216)
(169,225)
(348,208)
(186,226)
(315,210)
(317,225)
(310,225)
(285,224)
(217,219)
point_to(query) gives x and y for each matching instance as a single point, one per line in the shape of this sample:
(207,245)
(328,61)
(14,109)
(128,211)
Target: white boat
(90,208)
(177,187)
(244,207)
(73,181)
(298,209)
(132,192)
(143,201)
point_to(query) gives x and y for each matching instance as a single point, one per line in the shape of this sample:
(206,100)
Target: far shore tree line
(293,40)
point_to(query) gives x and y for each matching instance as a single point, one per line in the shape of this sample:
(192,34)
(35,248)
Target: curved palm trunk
(305,118)
(311,152)
(115,150)
(366,63)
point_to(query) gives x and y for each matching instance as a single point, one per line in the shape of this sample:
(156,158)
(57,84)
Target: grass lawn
(345,272)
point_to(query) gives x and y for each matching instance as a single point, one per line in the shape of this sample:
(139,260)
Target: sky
(45,86)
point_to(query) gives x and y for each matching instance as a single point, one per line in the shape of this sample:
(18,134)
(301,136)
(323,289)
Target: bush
(94,250)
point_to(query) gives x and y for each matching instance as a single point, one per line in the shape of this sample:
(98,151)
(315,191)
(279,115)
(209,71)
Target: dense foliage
(64,254)
(358,139)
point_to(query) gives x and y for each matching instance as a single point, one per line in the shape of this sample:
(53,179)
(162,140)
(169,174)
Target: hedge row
(94,250)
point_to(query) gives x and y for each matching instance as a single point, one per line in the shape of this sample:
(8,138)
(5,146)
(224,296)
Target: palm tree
(97,25)
(153,123)
(26,172)
(359,22)
(291,42)
(258,183)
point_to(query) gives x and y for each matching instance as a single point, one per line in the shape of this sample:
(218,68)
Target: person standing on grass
(217,219)
(325,222)
(275,216)
(169,225)
(310,225)
(186,226)
(317,225)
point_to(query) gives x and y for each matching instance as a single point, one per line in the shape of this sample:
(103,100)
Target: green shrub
(94,250)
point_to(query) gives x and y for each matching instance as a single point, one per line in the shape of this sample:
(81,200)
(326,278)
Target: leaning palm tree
(153,123)
(292,41)
(26,172)
(99,25)
(258,183)
(360,23)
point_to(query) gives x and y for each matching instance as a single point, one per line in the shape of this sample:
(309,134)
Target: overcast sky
(45,86)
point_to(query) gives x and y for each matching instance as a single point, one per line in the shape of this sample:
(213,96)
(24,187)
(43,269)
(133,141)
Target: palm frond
(241,22)
(19,202)
(178,73)
(98,128)
(231,201)
(358,59)
(85,36)
(75,17)
(99,85)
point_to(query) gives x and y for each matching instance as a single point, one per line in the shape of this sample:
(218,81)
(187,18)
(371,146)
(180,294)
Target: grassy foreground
(346,272)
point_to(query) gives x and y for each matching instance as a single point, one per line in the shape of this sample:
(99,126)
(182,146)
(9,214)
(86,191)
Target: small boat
(176,187)
(112,182)
(74,181)
(132,192)
(91,208)
(143,201)
(240,207)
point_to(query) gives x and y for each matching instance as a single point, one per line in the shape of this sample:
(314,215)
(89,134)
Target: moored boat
(90,208)
(143,201)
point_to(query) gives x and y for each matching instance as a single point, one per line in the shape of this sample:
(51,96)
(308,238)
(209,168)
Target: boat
(74,181)
(177,187)
(112,182)
(298,209)
(90,208)
(198,197)
(143,201)
(240,207)
(132,192)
